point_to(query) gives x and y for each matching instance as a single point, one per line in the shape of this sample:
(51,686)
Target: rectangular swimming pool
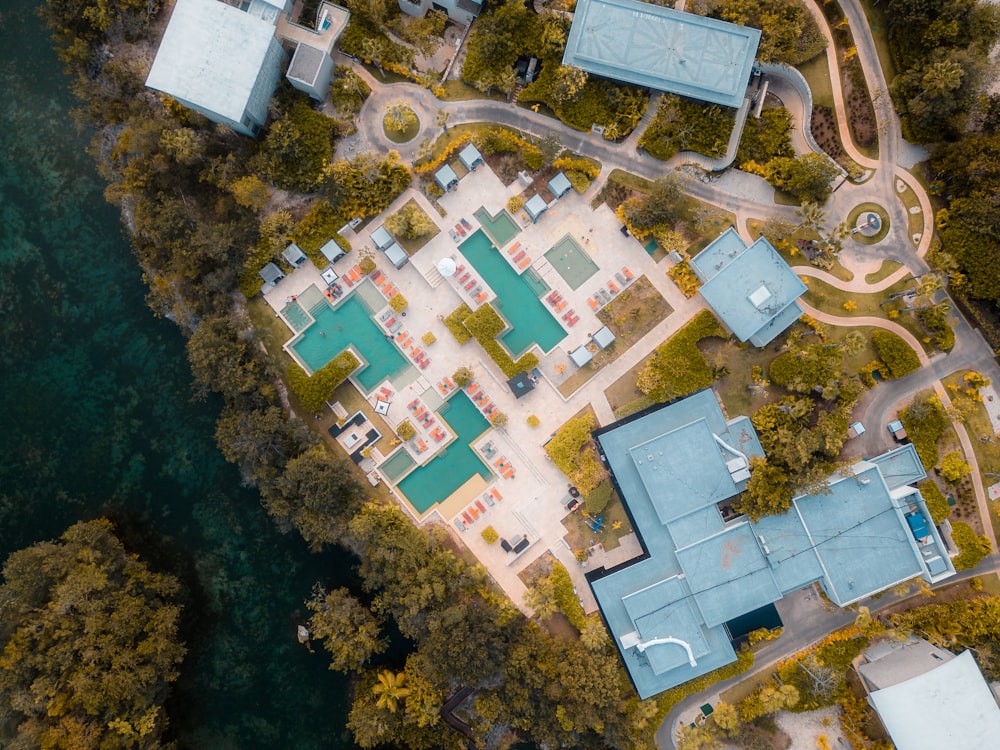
(531,322)
(455,465)
(571,261)
(296,316)
(350,324)
(501,228)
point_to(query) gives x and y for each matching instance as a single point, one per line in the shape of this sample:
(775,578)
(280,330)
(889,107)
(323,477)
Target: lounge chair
(499,461)
(412,406)
(513,248)
(385,316)
(488,499)
(593,304)
(472,283)
(466,224)
(628,274)
(465,277)
(466,517)
(519,255)
(479,504)
(621,278)
(525,263)
(347,280)
(453,235)
(459,525)
(495,494)
(481,297)
(560,305)
(459,270)
(612,286)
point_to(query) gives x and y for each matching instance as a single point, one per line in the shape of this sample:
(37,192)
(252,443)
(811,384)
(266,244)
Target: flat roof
(950,706)
(211,55)
(306,63)
(382,238)
(446,177)
(662,48)
(751,289)
(535,206)
(470,156)
(559,185)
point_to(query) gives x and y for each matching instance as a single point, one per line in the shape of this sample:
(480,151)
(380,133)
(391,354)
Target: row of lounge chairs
(468,281)
(445,386)
(571,318)
(472,513)
(353,276)
(556,301)
(504,467)
(602,296)
(522,259)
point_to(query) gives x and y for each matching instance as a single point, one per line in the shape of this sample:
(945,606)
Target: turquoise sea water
(449,470)
(98,418)
(531,323)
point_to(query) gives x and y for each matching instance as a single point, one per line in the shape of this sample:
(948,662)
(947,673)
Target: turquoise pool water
(571,261)
(530,320)
(350,324)
(397,466)
(450,469)
(296,316)
(501,228)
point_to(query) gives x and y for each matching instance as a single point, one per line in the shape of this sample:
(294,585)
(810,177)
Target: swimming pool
(571,261)
(501,228)
(350,324)
(455,465)
(397,465)
(296,316)
(531,322)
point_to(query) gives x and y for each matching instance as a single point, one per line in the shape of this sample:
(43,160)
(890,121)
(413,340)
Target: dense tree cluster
(941,50)
(789,33)
(90,647)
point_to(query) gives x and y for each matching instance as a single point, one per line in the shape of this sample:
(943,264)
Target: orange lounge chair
(481,297)
(628,273)
(509,473)
(513,248)
(499,461)
(495,494)
(612,286)
(593,304)
(479,504)
(561,306)
(518,257)
(524,263)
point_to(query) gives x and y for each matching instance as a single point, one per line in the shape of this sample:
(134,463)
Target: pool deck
(531,500)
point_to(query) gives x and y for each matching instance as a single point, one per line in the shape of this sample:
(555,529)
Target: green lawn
(852,220)
(794,257)
(886,270)
(829,299)
(459,91)
(817,75)
(875,13)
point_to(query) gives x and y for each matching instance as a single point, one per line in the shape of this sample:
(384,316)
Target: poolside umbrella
(521,384)
(446,266)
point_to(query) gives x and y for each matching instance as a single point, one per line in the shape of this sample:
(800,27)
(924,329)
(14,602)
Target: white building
(225,61)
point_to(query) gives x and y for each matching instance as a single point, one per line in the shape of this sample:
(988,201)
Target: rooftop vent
(760,296)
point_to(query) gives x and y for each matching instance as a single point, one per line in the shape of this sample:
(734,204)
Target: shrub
(599,497)
(572,451)
(428,338)
(898,356)
(398,303)
(533,421)
(515,203)
(435,162)
(405,430)
(490,535)
(314,391)
(677,367)
(925,422)
(319,225)
(578,180)
(587,167)
(971,548)
(367,265)
(463,376)
(498,419)
(935,500)
(455,323)
(484,325)
(686,279)
(936,321)
(565,596)
(953,466)
(687,125)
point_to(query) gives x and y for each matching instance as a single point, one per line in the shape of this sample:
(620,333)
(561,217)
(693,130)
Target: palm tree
(853,343)
(811,216)
(390,689)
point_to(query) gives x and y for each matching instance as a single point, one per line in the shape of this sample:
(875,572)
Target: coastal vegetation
(89,636)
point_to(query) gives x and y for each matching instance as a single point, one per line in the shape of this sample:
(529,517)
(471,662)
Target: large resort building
(663,49)
(224,60)
(677,469)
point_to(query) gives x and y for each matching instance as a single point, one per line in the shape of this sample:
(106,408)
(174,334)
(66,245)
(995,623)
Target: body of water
(98,419)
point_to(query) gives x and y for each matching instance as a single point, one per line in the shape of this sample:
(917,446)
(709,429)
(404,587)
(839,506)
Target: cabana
(271,275)
(559,185)
(470,157)
(446,178)
(396,255)
(293,255)
(581,356)
(382,238)
(521,385)
(333,252)
(535,207)
(603,338)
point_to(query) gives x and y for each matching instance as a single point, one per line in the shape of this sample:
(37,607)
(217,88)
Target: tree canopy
(90,647)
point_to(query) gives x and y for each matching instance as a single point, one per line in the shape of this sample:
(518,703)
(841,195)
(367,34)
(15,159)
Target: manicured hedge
(455,323)
(598,499)
(678,368)
(566,597)
(936,502)
(896,353)
(314,391)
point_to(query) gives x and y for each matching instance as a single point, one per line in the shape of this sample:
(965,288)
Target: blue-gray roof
(663,49)
(470,157)
(559,185)
(446,177)
(752,288)
(673,467)
(535,206)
